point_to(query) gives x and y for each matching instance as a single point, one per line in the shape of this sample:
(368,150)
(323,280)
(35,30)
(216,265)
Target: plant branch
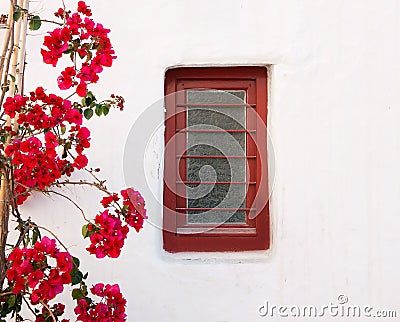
(51,233)
(70,200)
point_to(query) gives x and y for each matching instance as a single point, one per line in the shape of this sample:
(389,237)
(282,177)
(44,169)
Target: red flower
(56,43)
(51,140)
(73,116)
(81,89)
(110,309)
(81,161)
(34,278)
(14,104)
(110,237)
(65,81)
(106,201)
(84,9)
(30,269)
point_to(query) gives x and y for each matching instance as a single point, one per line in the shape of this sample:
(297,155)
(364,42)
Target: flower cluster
(111,308)
(108,233)
(37,159)
(30,269)
(42,139)
(134,208)
(80,36)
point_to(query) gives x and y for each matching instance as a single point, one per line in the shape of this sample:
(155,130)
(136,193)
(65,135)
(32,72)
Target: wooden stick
(21,53)
(15,32)
(6,40)
(14,64)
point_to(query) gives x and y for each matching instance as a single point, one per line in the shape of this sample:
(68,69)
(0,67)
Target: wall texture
(334,116)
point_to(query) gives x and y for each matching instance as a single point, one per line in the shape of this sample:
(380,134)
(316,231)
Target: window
(215,165)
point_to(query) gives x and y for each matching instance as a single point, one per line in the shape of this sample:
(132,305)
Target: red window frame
(255,234)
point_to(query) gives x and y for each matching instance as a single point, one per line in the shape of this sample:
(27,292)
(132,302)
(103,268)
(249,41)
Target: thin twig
(50,232)
(49,21)
(29,307)
(72,201)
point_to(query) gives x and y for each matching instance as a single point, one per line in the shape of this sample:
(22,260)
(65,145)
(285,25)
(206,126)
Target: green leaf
(17,13)
(98,109)
(90,94)
(84,231)
(77,294)
(88,100)
(67,146)
(76,276)
(12,78)
(11,300)
(35,23)
(76,261)
(106,109)
(35,235)
(86,275)
(63,130)
(88,113)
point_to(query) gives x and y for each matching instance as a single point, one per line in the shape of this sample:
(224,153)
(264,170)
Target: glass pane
(225,170)
(226,117)
(213,96)
(211,143)
(205,120)
(216,196)
(216,217)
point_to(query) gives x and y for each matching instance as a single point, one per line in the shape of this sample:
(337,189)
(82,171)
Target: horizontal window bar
(217,209)
(215,131)
(215,105)
(216,156)
(219,230)
(211,182)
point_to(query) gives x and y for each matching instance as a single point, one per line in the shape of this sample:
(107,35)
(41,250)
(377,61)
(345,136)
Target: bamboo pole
(16,51)
(6,41)
(22,54)
(17,59)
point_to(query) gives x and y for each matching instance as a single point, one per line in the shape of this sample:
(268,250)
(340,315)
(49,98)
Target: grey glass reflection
(214,143)
(229,144)
(227,118)
(216,217)
(213,96)
(221,196)
(225,170)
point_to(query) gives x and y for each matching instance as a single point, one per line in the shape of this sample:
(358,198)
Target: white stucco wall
(334,116)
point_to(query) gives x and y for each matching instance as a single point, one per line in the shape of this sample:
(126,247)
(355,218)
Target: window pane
(216,217)
(225,170)
(226,117)
(204,138)
(211,143)
(213,96)
(216,196)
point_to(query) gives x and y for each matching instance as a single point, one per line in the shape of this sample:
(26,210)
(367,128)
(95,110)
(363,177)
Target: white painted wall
(334,118)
